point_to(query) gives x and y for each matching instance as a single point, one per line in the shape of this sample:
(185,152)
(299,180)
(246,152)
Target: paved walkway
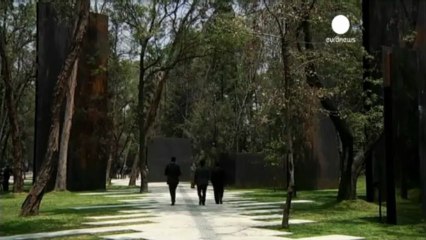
(150,216)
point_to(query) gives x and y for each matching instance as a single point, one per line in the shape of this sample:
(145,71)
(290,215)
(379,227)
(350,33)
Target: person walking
(193,168)
(7,171)
(201,176)
(218,181)
(173,173)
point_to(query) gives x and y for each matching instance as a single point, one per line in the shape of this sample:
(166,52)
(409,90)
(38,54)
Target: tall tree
(32,202)
(61,176)
(281,22)
(148,25)
(16,34)
(351,163)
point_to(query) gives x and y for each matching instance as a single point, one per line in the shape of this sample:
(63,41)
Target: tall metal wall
(53,38)
(399,25)
(87,150)
(88,146)
(422,124)
(159,153)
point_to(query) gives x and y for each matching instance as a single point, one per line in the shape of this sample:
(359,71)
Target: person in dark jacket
(193,168)
(218,181)
(173,173)
(201,178)
(7,171)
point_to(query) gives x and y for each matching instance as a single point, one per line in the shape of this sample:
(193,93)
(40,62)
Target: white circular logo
(340,24)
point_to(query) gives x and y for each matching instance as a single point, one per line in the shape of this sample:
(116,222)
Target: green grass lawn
(55,213)
(356,218)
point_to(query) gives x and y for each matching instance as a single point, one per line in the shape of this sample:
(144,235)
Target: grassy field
(55,212)
(356,218)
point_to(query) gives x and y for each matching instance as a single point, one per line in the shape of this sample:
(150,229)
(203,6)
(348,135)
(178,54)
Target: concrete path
(151,217)
(187,220)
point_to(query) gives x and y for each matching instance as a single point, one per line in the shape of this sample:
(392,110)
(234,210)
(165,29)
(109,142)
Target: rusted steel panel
(325,154)
(407,72)
(159,153)
(88,149)
(318,168)
(422,123)
(400,26)
(420,42)
(251,170)
(52,43)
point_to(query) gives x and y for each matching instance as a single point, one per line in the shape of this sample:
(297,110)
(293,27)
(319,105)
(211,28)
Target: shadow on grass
(27,225)
(89,211)
(373,219)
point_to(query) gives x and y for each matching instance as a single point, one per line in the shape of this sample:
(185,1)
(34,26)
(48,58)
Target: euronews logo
(340,26)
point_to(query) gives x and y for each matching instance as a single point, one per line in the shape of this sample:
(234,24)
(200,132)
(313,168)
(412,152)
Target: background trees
(17,35)
(232,76)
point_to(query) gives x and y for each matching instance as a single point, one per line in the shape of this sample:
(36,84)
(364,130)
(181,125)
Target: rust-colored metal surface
(399,26)
(88,149)
(422,124)
(387,63)
(318,168)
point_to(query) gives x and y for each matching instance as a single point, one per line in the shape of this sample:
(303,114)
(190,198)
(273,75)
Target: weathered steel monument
(395,35)
(159,153)
(87,153)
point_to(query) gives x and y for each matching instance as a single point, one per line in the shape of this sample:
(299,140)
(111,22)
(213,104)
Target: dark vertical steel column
(35,169)
(366,86)
(422,124)
(420,44)
(52,44)
(389,156)
(88,145)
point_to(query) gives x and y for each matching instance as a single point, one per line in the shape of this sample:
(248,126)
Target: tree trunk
(143,170)
(12,113)
(150,118)
(112,155)
(3,119)
(4,129)
(119,156)
(404,185)
(108,170)
(4,147)
(141,119)
(287,206)
(285,57)
(347,181)
(32,202)
(135,170)
(61,177)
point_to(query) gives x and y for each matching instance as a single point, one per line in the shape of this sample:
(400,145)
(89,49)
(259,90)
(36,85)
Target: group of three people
(201,176)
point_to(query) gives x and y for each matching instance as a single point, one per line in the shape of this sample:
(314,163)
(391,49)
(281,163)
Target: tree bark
(3,118)
(108,170)
(4,129)
(12,112)
(135,170)
(32,202)
(61,177)
(150,118)
(288,82)
(287,206)
(141,119)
